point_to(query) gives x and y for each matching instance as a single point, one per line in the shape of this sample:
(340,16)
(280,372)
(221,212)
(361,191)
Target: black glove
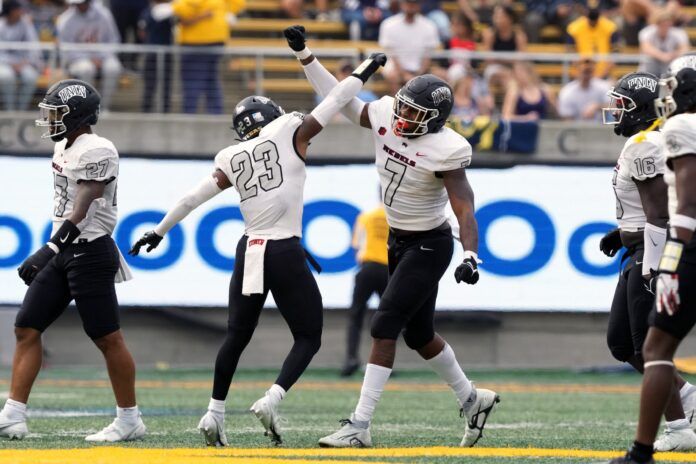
(611,243)
(151,239)
(467,272)
(370,66)
(34,263)
(295,36)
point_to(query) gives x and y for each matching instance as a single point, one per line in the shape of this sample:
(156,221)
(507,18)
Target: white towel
(124,273)
(252,282)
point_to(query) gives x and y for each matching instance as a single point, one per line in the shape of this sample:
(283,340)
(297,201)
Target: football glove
(611,243)
(370,66)
(34,263)
(467,271)
(151,239)
(295,36)
(667,293)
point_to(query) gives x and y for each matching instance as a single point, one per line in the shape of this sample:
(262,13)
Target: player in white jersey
(421,165)
(80,262)
(674,313)
(268,171)
(641,211)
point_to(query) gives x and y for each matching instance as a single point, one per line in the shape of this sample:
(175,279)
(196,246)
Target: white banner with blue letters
(539,229)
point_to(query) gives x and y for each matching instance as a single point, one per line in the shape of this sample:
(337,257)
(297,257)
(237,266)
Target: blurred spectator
(343,70)
(463,40)
(205,25)
(127,13)
(154,32)
(527,98)
(470,99)
(296,9)
(44,13)
(541,13)
(636,13)
(86,22)
(503,36)
(661,42)
(583,98)
(363,17)
(594,34)
(432,10)
(17,66)
(408,39)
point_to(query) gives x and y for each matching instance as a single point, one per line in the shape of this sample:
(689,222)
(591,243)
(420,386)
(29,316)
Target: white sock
(217,407)
(678,424)
(446,366)
(373,385)
(128,415)
(15,410)
(685,390)
(276,393)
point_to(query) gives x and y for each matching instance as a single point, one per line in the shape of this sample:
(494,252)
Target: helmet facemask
(618,105)
(665,104)
(410,119)
(52,117)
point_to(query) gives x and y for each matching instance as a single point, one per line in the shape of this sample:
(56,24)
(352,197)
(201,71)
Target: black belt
(399,233)
(312,261)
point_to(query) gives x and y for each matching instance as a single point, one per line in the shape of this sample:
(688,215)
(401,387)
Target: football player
(641,211)
(674,313)
(421,165)
(80,262)
(268,171)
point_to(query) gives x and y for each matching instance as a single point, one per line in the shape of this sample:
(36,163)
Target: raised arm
(204,191)
(321,79)
(461,198)
(339,96)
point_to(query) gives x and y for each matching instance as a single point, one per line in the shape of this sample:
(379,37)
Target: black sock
(641,452)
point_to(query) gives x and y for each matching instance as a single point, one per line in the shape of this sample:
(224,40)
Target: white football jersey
(89,158)
(413,193)
(269,175)
(638,161)
(679,139)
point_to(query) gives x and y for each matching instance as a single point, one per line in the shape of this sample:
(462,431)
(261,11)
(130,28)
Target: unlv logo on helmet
(72,91)
(642,82)
(441,94)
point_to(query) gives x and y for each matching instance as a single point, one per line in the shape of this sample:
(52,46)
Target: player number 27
(397,171)
(243,168)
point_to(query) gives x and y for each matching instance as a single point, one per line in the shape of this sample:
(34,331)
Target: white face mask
(410,119)
(52,118)
(618,106)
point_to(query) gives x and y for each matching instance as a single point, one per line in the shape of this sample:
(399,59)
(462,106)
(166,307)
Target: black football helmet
(631,108)
(421,106)
(252,114)
(678,87)
(68,106)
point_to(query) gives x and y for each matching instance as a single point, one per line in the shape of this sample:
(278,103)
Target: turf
(539,409)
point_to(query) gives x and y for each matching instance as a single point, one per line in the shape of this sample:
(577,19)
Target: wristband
(682,221)
(671,256)
(67,233)
(303,54)
(471,254)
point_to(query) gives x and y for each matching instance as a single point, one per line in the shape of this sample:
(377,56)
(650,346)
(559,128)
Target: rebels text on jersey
(89,158)
(413,191)
(679,139)
(269,175)
(639,161)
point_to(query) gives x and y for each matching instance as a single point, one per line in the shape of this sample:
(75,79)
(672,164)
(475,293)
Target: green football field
(544,417)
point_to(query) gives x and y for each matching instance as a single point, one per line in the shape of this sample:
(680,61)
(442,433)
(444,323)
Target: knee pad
(387,324)
(417,339)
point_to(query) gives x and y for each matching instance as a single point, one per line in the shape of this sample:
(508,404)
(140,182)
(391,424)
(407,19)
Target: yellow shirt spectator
(204,21)
(370,236)
(597,39)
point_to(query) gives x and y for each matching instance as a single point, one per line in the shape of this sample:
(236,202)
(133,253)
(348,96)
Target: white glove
(667,293)
(162,11)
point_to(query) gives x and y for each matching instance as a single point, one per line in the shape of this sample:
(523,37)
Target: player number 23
(270,176)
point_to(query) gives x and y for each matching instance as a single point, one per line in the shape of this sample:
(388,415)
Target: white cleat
(348,436)
(689,405)
(212,426)
(676,440)
(119,431)
(477,414)
(14,429)
(267,412)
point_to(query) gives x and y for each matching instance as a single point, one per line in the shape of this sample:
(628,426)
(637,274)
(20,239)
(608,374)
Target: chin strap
(642,135)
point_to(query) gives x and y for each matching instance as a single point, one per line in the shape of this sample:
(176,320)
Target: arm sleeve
(98,164)
(340,95)
(654,239)
(323,82)
(203,192)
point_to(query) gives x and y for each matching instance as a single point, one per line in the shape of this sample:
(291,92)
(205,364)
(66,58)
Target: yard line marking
(114,455)
(500,387)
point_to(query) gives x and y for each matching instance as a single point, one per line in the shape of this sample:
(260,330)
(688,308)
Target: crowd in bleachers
(409,31)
